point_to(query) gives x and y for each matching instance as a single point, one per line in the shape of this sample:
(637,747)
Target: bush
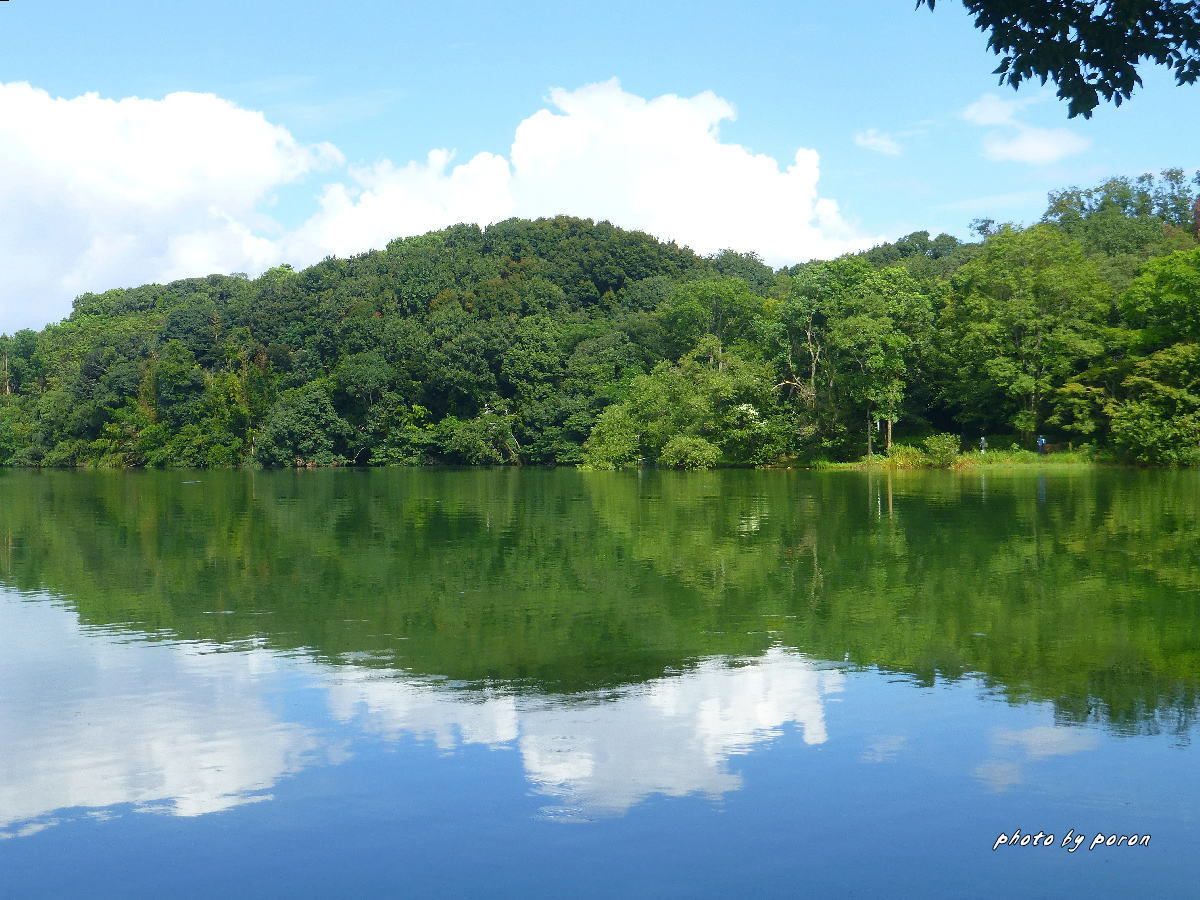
(686,452)
(614,441)
(195,446)
(904,456)
(942,450)
(485,440)
(1147,434)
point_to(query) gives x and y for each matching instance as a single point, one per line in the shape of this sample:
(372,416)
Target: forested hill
(567,341)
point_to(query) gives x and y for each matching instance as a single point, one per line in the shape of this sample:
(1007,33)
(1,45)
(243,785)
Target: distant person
(983,443)
(1041,444)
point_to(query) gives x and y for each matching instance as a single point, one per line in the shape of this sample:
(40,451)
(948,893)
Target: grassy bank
(1002,459)
(941,451)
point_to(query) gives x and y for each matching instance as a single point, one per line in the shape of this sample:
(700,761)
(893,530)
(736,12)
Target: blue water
(143,761)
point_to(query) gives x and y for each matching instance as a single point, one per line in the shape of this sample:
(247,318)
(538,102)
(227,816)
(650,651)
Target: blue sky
(293,126)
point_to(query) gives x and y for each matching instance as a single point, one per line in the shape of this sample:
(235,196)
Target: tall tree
(1023,315)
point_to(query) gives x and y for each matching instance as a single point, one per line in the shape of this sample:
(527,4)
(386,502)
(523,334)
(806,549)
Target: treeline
(563,341)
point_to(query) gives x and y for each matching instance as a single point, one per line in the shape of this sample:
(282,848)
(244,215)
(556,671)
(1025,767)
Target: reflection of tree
(1078,591)
(1079,596)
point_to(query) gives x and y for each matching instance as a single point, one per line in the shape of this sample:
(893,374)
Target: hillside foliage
(566,341)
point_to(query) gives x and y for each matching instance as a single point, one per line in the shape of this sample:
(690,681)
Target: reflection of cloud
(1035,743)
(673,736)
(1047,740)
(884,749)
(607,752)
(998,774)
(92,722)
(391,704)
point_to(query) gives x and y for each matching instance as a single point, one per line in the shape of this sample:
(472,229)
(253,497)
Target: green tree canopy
(1089,48)
(1024,314)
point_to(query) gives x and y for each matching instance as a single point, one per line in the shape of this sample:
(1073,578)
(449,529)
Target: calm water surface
(497,683)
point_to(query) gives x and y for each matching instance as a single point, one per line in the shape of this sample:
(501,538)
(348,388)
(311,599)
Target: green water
(781,674)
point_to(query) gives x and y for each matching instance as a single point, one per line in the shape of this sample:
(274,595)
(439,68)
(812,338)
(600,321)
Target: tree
(875,372)
(1091,50)
(1124,222)
(1155,417)
(178,384)
(843,336)
(1164,300)
(711,397)
(1159,422)
(302,429)
(565,341)
(721,307)
(1023,316)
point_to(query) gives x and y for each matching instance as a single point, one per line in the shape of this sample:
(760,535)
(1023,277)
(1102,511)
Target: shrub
(942,450)
(614,442)
(1147,434)
(484,440)
(687,452)
(904,456)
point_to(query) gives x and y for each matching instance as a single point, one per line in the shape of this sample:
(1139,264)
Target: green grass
(907,457)
(1027,458)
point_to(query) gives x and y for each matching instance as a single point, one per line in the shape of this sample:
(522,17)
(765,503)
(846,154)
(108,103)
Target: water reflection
(674,736)
(1015,750)
(603,752)
(1074,588)
(91,721)
(623,635)
(94,720)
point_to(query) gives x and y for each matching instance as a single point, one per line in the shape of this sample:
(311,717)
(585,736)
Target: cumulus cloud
(1016,141)
(659,165)
(871,139)
(386,201)
(99,193)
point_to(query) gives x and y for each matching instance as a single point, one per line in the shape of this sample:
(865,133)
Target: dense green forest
(564,341)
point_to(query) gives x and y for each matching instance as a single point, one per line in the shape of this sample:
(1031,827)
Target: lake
(513,682)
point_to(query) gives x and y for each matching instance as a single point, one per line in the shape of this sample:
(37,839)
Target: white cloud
(1037,146)
(992,110)
(98,193)
(658,165)
(1018,142)
(388,201)
(871,139)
